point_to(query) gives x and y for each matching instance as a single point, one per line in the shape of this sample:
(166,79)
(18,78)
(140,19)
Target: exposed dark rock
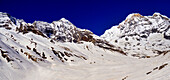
(4,55)
(28,47)
(43,56)
(125,78)
(57,53)
(36,52)
(82,57)
(68,54)
(155,68)
(143,36)
(162,66)
(33,58)
(26,29)
(149,72)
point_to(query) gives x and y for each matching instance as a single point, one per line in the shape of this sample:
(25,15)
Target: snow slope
(61,51)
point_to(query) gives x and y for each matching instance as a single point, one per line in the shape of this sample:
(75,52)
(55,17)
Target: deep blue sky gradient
(95,15)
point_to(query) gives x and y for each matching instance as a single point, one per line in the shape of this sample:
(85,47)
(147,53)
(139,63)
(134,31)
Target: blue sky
(95,15)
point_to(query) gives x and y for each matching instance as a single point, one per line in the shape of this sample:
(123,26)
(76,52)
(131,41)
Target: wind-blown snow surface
(60,51)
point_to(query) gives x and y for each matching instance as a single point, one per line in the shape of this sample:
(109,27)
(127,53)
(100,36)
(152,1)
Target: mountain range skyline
(64,19)
(96,16)
(137,49)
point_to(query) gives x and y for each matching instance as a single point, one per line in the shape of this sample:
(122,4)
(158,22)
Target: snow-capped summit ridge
(133,15)
(157,13)
(64,20)
(135,30)
(62,30)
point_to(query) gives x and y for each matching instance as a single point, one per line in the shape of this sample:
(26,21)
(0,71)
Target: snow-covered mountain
(61,51)
(141,36)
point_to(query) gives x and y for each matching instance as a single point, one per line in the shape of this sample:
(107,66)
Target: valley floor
(110,68)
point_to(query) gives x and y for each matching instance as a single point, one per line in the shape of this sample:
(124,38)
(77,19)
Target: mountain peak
(3,13)
(4,16)
(64,20)
(156,13)
(134,15)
